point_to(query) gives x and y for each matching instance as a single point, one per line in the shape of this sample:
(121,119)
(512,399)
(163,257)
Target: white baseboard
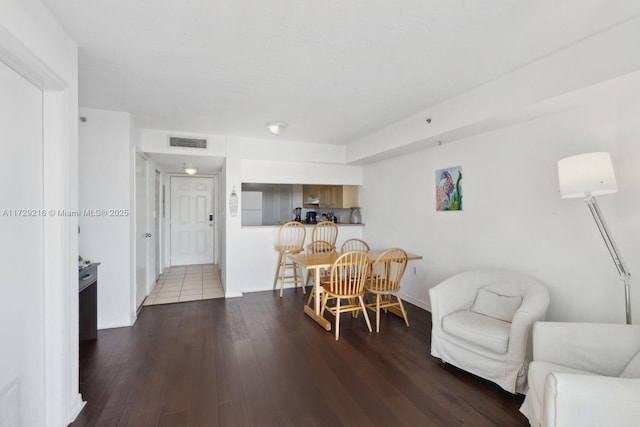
(76,408)
(420,303)
(119,323)
(233,294)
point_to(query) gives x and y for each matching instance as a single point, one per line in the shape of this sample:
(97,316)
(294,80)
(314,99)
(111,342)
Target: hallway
(187,283)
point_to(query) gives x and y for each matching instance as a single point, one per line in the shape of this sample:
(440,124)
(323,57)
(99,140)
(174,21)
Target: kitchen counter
(257,249)
(340,224)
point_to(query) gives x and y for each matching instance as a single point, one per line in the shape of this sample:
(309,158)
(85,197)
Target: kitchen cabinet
(318,196)
(330,196)
(349,196)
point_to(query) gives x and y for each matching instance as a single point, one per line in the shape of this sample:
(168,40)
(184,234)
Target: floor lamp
(586,176)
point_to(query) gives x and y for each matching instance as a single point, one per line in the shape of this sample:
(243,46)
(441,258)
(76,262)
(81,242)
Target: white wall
(233,260)
(106,179)
(274,149)
(288,172)
(513,217)
(628,200)
(36,46)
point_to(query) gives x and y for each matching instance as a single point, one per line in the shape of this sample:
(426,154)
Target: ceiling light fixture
(277,128)
(190,169)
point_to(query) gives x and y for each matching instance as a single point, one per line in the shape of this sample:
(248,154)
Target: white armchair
(481,322)
(584,374)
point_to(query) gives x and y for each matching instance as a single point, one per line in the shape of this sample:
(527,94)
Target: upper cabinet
(349,196)
(330,196)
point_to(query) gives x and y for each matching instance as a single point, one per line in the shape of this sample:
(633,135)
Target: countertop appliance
(311,217)
(298,214)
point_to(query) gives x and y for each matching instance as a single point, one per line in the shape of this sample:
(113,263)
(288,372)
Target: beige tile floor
(187,283)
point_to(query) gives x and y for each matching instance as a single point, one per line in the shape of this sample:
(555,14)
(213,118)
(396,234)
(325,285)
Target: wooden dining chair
(354,245)
(318,247)
(325,231)
(384,284)
(290,242)
(345,286)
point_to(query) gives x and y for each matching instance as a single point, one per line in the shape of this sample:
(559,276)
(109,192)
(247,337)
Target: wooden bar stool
(290,242)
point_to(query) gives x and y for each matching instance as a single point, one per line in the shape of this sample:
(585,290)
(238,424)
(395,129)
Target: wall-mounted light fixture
(233,202)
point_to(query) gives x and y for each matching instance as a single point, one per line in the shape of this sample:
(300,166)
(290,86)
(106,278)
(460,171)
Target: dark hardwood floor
(259,361)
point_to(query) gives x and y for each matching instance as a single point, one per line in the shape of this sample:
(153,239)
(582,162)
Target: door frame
(157,223)
(140,202)
(63,401)
(216,214)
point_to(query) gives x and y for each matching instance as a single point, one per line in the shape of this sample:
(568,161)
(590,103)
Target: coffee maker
(311,217)
(298,214)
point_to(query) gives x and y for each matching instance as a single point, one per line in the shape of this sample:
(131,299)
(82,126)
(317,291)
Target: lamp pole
(625,276)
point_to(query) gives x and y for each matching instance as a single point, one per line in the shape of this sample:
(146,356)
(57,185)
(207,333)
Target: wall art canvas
(449,189)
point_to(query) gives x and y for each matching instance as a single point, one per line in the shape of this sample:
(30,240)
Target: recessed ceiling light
(277,128)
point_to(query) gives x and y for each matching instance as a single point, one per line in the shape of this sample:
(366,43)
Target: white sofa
(481,322)
(584,374)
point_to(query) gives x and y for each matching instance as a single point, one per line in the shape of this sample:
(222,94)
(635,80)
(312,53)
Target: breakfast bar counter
(339,224)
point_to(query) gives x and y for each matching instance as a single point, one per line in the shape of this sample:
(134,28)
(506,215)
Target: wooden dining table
(316,262)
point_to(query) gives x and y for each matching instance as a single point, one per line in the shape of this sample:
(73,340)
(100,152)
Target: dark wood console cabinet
(88,302)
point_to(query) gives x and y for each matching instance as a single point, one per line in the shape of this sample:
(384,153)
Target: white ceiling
(334,70)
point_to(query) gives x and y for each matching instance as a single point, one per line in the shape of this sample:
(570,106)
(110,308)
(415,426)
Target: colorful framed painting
(449,189)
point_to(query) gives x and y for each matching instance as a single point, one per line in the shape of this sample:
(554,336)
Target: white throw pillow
(632,370)
(492,304)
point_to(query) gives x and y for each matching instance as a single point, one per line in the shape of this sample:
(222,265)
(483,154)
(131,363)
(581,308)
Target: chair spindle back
(388,270)
(291,236)
(325,230)
(354,245)
(349,273)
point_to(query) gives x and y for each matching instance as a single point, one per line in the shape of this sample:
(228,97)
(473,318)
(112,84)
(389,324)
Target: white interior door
(151,228)
(22,309)
(142,234)
(192,220)
(156,226)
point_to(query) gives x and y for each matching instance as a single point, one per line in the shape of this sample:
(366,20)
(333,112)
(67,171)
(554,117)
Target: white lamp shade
(585,175)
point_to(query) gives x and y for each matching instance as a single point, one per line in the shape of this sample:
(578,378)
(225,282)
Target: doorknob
(147,234)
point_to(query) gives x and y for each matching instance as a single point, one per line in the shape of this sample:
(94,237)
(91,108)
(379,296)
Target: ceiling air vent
(175,141)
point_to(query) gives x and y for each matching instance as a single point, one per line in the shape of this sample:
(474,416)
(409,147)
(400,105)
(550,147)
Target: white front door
(141,229)
(192,222)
